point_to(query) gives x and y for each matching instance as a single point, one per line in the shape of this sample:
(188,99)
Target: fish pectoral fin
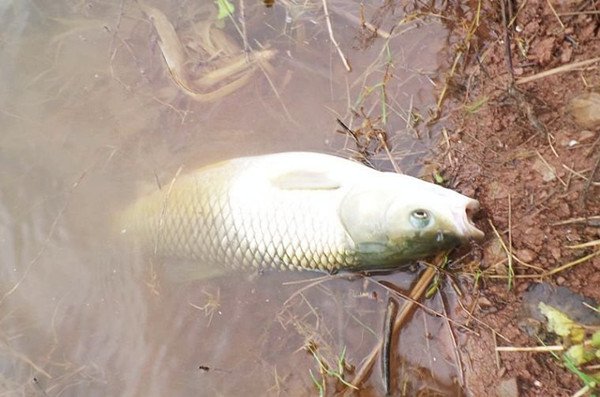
(305,180)
(371,248)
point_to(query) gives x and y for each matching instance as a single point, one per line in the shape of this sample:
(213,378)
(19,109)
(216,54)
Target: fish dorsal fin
(305,180)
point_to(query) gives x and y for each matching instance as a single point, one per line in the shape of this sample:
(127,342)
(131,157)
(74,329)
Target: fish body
(299,210)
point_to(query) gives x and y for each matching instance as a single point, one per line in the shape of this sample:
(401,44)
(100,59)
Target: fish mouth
(466,226)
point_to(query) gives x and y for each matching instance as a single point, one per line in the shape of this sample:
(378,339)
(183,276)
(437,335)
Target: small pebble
(585,110)
(526,255)
(586,135)
(555,251)
(508,388)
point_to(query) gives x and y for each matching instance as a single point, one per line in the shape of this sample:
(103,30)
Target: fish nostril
(439,237)
(470,213)
(471,209)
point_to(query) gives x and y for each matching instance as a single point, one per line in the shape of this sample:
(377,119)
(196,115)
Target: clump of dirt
(534,171)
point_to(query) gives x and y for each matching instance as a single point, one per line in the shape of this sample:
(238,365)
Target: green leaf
(561,324)
(596,339)
(579,354)
(439,179)
(576,354)
(478,104)
(226,8)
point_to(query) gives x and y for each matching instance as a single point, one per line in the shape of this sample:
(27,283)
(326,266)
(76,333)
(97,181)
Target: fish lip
(466,225)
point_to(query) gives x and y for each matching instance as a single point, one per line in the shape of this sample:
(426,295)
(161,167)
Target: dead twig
(417,292)
(555,14)
(511,271)
(457,359)
(584,245)
(571,14)
(507,39)
(579,174)
(495,338)
(332,37)
(571,264)
(553,271)
(481,322)
(533,349)
(590,220)
(46,242)
(558,70)
(590,181)
(311,283)
(550,168)
(363,23)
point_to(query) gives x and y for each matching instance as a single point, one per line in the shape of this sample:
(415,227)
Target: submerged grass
(326,369)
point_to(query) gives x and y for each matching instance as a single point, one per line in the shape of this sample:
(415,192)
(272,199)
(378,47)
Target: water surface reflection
(90,115)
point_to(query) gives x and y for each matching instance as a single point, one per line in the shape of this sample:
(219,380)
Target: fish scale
(205,227)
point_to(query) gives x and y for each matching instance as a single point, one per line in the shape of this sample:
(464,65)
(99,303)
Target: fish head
(402,218)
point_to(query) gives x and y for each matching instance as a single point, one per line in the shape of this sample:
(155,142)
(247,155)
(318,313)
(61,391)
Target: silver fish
(299,210)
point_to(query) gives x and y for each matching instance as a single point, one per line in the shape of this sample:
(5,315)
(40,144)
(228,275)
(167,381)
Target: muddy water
(89,115)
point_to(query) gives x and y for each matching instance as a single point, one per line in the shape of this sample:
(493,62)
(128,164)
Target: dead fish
(299,210)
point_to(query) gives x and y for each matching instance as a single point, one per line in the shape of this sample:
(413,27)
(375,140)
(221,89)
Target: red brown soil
(498,154)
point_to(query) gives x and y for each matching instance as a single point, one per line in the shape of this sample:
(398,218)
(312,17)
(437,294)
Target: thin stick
(426,308)
(389,154)
(509,256)
(570,14)
(589,182)
(534,349)
(366,24)
(553,271)
(507,52)
(311,283)
(555,14)
(457,359)
(495,338)
(584,245)
(511,271)
(243,22)
(481,322)
(582,392)
(578,220)
(22,357)
(163,212)
(571,264)
(416,293)
(550,168)
(558,70)
(333,40)
(579,174)
(46,242)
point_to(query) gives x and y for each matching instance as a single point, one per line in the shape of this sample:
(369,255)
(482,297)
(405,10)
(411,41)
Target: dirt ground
(517,149)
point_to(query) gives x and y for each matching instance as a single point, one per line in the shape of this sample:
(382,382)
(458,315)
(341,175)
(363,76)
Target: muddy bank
(516,147)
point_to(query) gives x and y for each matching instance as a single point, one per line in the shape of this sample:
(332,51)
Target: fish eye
(420,218)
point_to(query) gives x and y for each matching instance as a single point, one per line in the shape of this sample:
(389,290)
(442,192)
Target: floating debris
(225,67)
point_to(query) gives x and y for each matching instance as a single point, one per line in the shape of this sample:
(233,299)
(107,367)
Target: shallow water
(89,115)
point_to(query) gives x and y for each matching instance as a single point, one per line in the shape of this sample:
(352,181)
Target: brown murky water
(89,113)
